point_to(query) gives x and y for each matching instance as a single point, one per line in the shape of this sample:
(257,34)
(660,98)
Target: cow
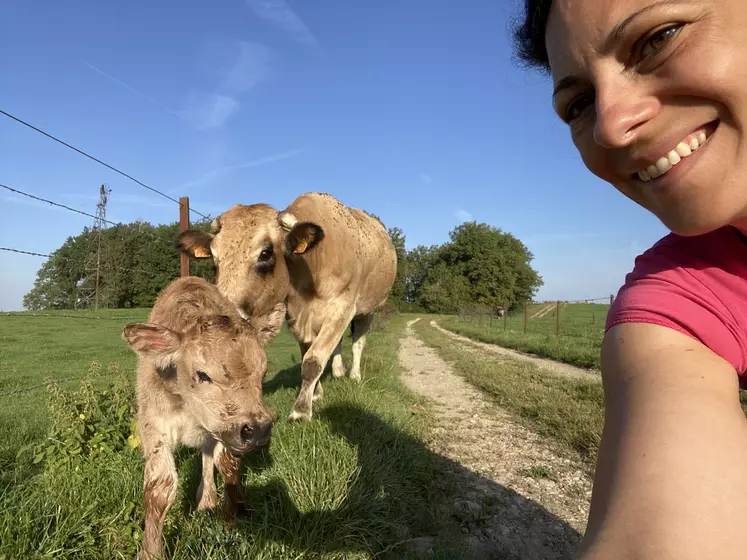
(330,265)
(199,384)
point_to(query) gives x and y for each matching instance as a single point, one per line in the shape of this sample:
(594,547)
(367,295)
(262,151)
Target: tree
(397,294)
(496,265)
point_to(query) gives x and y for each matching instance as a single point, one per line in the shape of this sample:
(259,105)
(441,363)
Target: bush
(87,421)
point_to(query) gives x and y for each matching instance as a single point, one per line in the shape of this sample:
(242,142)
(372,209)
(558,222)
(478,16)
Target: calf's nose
(256,435)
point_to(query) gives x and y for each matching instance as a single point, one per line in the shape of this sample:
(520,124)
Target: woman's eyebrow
(565,83)
(615,37)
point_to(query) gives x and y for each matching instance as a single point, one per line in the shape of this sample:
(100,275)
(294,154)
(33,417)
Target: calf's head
(249,245)
(217,368)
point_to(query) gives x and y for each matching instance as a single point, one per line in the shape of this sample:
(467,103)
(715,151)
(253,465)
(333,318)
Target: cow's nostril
(246,433)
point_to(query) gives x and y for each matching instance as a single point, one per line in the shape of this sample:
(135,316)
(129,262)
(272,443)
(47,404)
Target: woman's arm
(671,477)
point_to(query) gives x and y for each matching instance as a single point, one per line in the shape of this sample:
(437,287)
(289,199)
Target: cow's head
(217,367)
(248,245)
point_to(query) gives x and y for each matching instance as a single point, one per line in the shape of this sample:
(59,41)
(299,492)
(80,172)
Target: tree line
(479,268)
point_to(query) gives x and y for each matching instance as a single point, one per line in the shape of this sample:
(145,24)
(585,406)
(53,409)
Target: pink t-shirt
(695,285)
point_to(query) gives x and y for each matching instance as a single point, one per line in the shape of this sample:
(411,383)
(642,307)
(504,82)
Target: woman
(654,93)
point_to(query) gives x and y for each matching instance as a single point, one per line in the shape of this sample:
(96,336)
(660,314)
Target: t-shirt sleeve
(660,291)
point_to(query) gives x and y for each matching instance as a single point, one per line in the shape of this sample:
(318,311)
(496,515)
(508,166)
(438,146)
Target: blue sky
(411,110)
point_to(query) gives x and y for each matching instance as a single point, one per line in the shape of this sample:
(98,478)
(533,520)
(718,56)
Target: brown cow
(332,265)
(199,384)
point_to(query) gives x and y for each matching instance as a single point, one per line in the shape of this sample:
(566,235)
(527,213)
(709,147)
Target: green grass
(569,410)
(579,343)
(354,481)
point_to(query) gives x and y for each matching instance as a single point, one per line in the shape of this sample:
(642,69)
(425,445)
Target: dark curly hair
(529,35)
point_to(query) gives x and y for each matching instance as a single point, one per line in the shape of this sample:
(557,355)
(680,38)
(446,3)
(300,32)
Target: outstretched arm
(671,477)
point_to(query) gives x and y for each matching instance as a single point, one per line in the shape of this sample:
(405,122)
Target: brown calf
(199,384)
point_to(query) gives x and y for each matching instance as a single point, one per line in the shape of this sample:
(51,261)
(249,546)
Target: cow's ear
(152,341)
(303,237)
(195,243)
(268,326)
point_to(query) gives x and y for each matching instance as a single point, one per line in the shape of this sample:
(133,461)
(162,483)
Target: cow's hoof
(207,503)
(338,372)
(299,416)
(355,376)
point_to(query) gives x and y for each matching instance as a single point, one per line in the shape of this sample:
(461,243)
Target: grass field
(353,482)
(581,332)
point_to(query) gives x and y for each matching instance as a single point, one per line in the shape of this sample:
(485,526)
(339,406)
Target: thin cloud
(282,16)
(427,179)
(209,110)
(238,66)
(132,89)
(463,215)
(214,174)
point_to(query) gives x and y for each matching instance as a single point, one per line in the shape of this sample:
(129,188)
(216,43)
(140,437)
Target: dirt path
(557,368)
(514,495)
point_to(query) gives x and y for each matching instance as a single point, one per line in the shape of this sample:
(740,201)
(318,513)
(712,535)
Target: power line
(124,268)
(130,177)
(56,204)
(24,252)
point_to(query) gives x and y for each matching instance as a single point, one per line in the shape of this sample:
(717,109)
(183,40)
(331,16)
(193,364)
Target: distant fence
(556,317)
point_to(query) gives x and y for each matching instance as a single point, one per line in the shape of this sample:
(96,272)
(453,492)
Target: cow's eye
(265,255)
(203,377)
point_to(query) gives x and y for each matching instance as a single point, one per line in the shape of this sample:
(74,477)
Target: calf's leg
(206,495)
(159,493)
(228,465)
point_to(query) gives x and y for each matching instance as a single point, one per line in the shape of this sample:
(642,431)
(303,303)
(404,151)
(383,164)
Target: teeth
(664,164)
(683,149)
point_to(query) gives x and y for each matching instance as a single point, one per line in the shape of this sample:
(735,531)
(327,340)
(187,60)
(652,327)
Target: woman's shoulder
(696,285)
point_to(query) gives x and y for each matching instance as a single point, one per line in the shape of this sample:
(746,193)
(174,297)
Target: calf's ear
(195,243)
(152,341)
(268,326)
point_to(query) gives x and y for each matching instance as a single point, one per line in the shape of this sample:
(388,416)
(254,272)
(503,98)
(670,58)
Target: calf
(199,384)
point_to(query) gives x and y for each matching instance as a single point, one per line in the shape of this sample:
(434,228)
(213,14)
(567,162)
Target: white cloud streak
(132,89)
(279,14)
(218,172)
(463,215)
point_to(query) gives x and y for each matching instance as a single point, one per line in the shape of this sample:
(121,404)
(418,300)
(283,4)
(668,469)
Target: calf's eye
(203,377)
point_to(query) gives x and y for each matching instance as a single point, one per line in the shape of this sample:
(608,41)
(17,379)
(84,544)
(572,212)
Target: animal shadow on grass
(405,498)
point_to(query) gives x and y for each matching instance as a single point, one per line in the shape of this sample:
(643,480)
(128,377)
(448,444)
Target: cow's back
(356,256)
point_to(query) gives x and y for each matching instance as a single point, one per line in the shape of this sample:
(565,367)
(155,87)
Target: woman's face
(655,94)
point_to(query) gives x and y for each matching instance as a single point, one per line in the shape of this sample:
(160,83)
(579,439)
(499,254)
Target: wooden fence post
(612,299)
(184,226)
(557,318)
(526,316)
(505,316)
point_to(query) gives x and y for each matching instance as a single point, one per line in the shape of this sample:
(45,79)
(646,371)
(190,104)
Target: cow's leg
(318,389)
(159,493)
(361,326)
(316,360)
(228,465)
(206,495)
(338,369)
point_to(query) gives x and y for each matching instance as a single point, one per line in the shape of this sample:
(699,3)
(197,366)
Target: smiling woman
(654,94)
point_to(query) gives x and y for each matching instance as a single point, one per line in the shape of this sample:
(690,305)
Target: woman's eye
(577,107)
(203,377)
(659,40)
